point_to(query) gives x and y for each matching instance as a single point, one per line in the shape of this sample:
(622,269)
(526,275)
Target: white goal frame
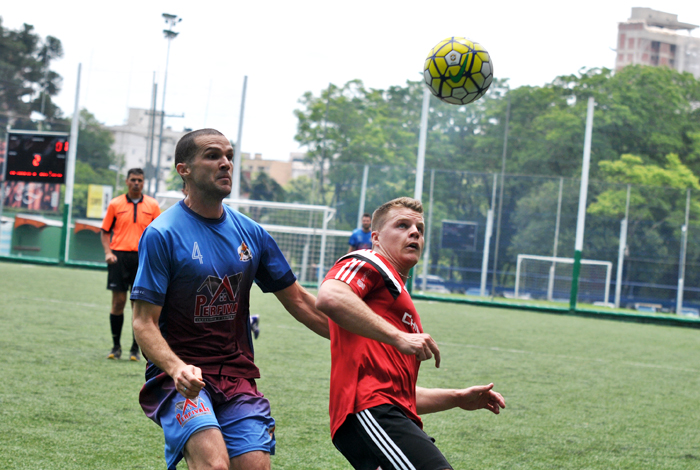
(554,260)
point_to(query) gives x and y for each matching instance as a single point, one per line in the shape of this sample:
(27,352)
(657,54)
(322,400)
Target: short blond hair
(380,215)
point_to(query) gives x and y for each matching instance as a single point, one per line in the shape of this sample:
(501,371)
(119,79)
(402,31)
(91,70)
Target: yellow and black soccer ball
(458,71)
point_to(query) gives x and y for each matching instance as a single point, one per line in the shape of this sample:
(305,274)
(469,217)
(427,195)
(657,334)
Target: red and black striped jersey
(365,372)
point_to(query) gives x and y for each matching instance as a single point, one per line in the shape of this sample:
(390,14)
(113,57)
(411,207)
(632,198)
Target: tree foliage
(27,81)
(651,113)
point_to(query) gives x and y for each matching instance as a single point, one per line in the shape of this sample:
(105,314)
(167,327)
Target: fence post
(583,196)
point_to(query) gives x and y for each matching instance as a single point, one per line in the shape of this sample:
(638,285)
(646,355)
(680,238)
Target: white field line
(67,302)
(563,356)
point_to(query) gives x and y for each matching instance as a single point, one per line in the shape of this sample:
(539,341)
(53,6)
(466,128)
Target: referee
(127,217)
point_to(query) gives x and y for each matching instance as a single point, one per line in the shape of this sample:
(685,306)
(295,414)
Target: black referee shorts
(121,275)
(383,437)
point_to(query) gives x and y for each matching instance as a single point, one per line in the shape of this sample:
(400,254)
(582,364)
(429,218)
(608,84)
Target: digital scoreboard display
(35,156)
(459,235)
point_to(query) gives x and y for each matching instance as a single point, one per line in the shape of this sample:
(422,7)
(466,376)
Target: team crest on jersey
(217,299)
(244,252)
(188,409)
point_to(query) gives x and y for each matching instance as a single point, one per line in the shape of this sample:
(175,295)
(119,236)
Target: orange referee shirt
(127,220)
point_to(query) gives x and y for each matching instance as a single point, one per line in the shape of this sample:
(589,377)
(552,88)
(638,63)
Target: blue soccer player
(197,263)
(361,238)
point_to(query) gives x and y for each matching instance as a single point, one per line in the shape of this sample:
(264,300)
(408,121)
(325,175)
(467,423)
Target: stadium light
(171,20)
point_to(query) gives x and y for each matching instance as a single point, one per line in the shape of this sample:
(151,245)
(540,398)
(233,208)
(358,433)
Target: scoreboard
(459,235)
(35,156)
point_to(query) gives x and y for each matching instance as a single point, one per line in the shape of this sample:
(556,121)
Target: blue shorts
(244,421)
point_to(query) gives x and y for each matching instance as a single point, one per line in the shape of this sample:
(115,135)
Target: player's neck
(206,207)
(403,271)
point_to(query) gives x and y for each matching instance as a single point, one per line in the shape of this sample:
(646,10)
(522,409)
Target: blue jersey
(200,272)
(360,240)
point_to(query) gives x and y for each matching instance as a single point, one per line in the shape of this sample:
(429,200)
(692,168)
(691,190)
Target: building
(278,170)
(131,140)
(651,37)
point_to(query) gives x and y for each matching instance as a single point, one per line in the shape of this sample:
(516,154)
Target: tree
(27,81)
(264,188)
(94,142)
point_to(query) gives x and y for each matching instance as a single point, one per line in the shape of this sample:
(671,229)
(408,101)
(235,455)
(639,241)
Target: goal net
(547,277)
(304,233)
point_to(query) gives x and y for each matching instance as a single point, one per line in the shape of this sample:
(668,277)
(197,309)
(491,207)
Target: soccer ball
(458,71)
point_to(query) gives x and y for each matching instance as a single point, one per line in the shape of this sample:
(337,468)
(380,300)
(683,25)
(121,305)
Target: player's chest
(204,253)
(400,311)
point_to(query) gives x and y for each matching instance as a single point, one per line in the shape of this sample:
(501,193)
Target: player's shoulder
(371,260)
(168,219)
(242,221)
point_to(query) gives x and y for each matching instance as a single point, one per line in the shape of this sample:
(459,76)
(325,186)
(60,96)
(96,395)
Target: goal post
(304,233)
(550,278)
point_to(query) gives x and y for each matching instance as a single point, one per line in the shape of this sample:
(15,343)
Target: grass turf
(580,392)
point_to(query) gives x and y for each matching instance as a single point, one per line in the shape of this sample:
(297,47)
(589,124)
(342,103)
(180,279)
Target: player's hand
(188,381)
(421,345)
(481,396)
(111,258)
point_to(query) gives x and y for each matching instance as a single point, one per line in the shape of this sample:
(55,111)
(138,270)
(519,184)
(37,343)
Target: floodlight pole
(681,262)
(363,195)
(2,176)
(487,239)
(171,20)
(420,164)
(426,251)
(552,268)
(236,177)
(621,252)
(500,201)
(583,196)
(63,251)
(149,139)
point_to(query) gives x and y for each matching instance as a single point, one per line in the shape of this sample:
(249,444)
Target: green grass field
(581,393)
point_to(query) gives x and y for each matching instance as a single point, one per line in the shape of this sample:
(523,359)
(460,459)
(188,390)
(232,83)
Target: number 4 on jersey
(196,253)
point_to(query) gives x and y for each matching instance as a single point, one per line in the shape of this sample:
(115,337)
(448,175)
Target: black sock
(116,322)
(134,344)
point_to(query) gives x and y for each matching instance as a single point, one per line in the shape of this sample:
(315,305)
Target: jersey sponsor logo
(196,254)
(188,409)
(217,299)
(408,320)
(244,252)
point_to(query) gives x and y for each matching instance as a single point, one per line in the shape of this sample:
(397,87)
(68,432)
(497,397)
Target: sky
(287,48)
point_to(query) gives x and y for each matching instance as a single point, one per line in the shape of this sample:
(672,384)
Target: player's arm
(187,378)
(302,306)
(337,300)
(105,237)
(432,400)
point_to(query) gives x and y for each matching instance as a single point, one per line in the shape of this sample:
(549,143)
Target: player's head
(366,222)
(187,147)
(397,232)
(204,162)
(379,216)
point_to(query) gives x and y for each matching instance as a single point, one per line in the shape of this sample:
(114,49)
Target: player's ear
(182,169)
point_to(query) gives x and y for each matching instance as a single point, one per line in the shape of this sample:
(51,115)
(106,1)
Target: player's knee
(213,461)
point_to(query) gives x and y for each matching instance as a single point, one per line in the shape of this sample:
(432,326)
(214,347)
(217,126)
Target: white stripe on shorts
(388,447)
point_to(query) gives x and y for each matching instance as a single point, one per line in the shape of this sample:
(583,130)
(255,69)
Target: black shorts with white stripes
(383,438)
